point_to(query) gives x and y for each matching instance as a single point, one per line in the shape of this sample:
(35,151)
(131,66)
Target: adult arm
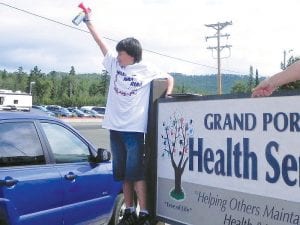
(267,86)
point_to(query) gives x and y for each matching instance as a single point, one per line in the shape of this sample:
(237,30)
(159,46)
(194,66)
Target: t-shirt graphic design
(128,95)
(126,85)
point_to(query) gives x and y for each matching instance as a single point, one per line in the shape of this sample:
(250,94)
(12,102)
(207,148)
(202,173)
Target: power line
(110,39)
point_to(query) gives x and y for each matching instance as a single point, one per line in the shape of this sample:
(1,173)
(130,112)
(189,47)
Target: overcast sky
(261,30)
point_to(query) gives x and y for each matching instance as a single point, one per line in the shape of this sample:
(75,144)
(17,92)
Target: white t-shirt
(128,96)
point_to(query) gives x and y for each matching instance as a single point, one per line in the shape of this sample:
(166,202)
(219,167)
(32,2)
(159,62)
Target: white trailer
(15,100)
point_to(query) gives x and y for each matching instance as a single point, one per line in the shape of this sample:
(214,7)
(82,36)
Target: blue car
(59,111)
(51,175)
(42,109)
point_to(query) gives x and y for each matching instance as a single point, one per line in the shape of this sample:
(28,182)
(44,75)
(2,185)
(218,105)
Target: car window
(99,110)
(66,147)
(20,145)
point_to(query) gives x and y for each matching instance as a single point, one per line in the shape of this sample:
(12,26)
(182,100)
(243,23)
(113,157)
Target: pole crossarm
(219,26)
(216,36)
(221,47)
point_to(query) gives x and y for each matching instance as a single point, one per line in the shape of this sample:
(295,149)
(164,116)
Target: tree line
(71,89)
(248,85)
(65,89)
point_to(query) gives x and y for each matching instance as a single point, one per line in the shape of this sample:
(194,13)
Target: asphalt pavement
(92,130)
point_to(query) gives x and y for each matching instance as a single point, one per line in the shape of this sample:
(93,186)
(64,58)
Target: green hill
(206,84)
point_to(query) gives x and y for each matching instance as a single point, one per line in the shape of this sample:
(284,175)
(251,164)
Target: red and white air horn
(79,18)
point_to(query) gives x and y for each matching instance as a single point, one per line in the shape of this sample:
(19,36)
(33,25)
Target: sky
(261,31)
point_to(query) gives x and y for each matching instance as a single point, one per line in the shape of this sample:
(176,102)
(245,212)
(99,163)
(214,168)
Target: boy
(126,117)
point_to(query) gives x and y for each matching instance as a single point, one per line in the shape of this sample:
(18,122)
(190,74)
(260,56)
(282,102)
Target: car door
(30,190)
(88,187)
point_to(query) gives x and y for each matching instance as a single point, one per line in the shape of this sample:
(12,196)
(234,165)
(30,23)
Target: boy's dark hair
(132,47)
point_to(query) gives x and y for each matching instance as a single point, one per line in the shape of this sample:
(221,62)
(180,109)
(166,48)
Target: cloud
(259,33)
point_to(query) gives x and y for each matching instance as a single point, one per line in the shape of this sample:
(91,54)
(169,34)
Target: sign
(229,161)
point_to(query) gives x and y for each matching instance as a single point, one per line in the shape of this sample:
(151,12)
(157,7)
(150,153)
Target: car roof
(19,115)
(4,115)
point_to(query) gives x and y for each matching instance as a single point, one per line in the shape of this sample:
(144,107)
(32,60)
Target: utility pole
(283,64)
(218,27)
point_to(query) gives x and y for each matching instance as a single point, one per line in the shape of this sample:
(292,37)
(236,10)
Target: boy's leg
(134,145)
(119,167)
(141,190)
(128,192)
(130,216)
(135,171)
(118,155)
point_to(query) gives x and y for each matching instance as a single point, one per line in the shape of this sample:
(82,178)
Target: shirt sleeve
(109,61)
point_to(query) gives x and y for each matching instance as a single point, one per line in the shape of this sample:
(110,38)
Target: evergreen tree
(256,78)
(64,90)
(104,81)
(55,84)
(4,75)
(250,81)
(183,89)
(71,82)
(239,87)
(21,80)
(42,91)
(3,79)
(293,85)
(100,86)
(35,73)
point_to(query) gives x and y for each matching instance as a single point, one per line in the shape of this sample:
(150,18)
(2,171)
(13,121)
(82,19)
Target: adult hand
(265,88)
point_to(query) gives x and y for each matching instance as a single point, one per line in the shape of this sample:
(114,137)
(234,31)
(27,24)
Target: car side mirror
(103,155)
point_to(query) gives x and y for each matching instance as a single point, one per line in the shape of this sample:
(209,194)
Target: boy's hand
(87,18)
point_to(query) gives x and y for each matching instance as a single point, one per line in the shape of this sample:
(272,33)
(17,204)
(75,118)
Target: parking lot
(92,130)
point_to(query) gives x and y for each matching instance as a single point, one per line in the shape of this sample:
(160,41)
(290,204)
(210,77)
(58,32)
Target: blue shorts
(127,155)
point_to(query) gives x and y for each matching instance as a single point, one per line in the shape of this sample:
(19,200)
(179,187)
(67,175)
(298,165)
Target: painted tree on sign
(176,133)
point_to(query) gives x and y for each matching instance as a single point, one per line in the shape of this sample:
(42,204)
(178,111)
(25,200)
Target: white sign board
(229,161)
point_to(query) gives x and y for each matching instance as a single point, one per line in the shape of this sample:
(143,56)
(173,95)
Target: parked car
(51,175)
(87,107)
(43,109)
(100,110)
(91,112)
(78,113)
(59,111)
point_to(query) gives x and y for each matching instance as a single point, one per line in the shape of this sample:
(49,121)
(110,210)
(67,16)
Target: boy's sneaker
(144,219)
(129,218)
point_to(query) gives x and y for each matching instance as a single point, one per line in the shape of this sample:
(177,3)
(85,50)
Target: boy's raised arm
(95,35)
(170,85)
